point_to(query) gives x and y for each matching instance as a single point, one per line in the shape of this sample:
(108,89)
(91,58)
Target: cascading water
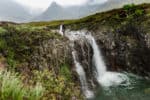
(97,58)
(82,76)
(61,30)
(104,77)
(79,69)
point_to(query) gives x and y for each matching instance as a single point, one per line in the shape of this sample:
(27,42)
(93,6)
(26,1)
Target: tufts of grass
(36,92)
(2,30)
(57,85)
(12,88)
(19,41)
(53,24)
(66,72)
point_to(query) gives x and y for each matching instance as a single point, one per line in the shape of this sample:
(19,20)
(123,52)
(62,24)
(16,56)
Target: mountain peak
(54,4)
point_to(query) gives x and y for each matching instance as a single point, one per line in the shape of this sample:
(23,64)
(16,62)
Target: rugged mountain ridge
(19,13)
(58,12)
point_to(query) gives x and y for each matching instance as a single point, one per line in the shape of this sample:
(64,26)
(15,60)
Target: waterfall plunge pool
(134,88)
(137,89)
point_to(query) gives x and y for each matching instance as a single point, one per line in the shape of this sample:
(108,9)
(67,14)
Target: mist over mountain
(12,11)
(57,12)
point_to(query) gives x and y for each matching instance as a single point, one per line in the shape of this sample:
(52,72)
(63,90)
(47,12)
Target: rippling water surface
(137,89)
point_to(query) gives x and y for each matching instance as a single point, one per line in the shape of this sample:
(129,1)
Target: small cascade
(73,35)
(82,77)
(61,30)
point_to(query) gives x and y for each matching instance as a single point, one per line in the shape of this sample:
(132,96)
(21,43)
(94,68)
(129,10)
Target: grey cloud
(12,11)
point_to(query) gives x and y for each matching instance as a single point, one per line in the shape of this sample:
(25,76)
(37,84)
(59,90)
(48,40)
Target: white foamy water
(82,77)
(61,30)
(104,77)
(97,58)
(76,35)
(113,79)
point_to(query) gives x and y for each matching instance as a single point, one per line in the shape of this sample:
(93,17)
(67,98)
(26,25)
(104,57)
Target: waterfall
(61,30)
(104,77)
(97,57)
(79,68)
(82,77)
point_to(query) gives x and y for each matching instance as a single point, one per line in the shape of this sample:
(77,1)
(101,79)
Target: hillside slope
(123,34)
(124,37)
(58,12)
(41,56)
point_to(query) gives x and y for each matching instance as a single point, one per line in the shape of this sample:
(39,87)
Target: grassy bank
(34,74)
(111,18)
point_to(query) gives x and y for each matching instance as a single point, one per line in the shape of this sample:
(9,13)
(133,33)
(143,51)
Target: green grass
(36,93)
(64,70)
(43,85)
(18,45)
(18,42)
(12,88)
(57,85)
(50,23)
(2,30)
(109,18)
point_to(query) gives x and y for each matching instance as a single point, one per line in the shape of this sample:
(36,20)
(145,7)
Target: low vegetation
(57,87)
(12,88)
(111,18)
(25,57)
(19,42)
(23,80)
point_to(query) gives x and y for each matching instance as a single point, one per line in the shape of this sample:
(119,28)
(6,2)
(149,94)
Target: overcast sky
(43,4)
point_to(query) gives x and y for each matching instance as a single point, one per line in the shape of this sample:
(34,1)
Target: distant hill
(57,12)
(12,11)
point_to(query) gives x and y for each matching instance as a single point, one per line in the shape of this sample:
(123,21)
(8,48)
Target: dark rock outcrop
(126,49)
(124,39)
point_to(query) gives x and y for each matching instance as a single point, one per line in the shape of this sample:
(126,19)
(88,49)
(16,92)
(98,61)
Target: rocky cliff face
(122,34)
(125,51)
(124,37)
(29,50)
